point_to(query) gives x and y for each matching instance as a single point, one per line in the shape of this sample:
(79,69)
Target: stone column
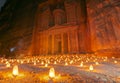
(40,44)
(77,45)
(53,51)
(69,45)
(62,40)
(47,43)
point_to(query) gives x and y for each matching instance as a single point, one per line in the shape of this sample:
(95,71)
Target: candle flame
(34,63)
(115,61)
(51,73)
(91,68)
(96,63)
(81,65)
(66,63)
(55,62)
(8,65)
(15,70)
(46,65)
(42,62)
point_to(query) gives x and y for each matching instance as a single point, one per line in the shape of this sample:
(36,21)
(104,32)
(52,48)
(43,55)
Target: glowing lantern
(71,62)
(7,64)
(81,65)
(28,61)
(113,57)
(48,61)
(38,61)
(46,65)
(66,63)
(55,62)
(42,62)
(22,62)
(91,68)
(15,70)
(51,73)
(18,61)
(105,60)
(34,63)
(115,61)
(96,63)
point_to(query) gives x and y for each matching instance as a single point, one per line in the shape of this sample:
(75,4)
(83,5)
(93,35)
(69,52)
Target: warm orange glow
(51,73)
(96,63)
(55,62)
(81,65)
(46,65)
(22,62)
(66,63)
(18,61)
(2,61)
(38,61)
(34,63)
(15,71)
(71,62)
(91,68)
(113,57)
(7,64)
(28,61)
(115,61)
(42,62)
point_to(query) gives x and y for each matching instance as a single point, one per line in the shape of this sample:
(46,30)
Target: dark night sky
(2,2)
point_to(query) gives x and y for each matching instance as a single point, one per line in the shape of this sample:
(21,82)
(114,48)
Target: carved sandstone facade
(61,28)
(66,27)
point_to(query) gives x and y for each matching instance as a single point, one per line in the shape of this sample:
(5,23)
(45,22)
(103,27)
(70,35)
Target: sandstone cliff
(16,25)
(104,21)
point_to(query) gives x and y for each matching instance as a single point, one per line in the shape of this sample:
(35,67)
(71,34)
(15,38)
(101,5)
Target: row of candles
(57,60)
(15,71)
(66,59)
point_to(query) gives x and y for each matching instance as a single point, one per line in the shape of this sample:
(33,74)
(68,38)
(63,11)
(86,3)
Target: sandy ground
(31,70)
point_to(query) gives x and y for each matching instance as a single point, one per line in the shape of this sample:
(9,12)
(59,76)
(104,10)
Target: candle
(66,63)
(51,73)
(46,65)
(81,65)
(15,71)
(7,64)
(115,61)
(55,62)
(91,68)
(96,63)
(34,63)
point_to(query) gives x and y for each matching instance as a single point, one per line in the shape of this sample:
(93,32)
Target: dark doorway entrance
(59,47)
(65,42)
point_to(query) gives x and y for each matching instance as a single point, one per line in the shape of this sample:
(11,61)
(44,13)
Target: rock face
(104,23)
(98,30)
(16,26)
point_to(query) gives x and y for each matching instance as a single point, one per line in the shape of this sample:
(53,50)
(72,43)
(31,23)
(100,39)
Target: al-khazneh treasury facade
(61,28)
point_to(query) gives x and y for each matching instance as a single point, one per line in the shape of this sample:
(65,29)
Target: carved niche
(59,16)
(70,7)
(46,17)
